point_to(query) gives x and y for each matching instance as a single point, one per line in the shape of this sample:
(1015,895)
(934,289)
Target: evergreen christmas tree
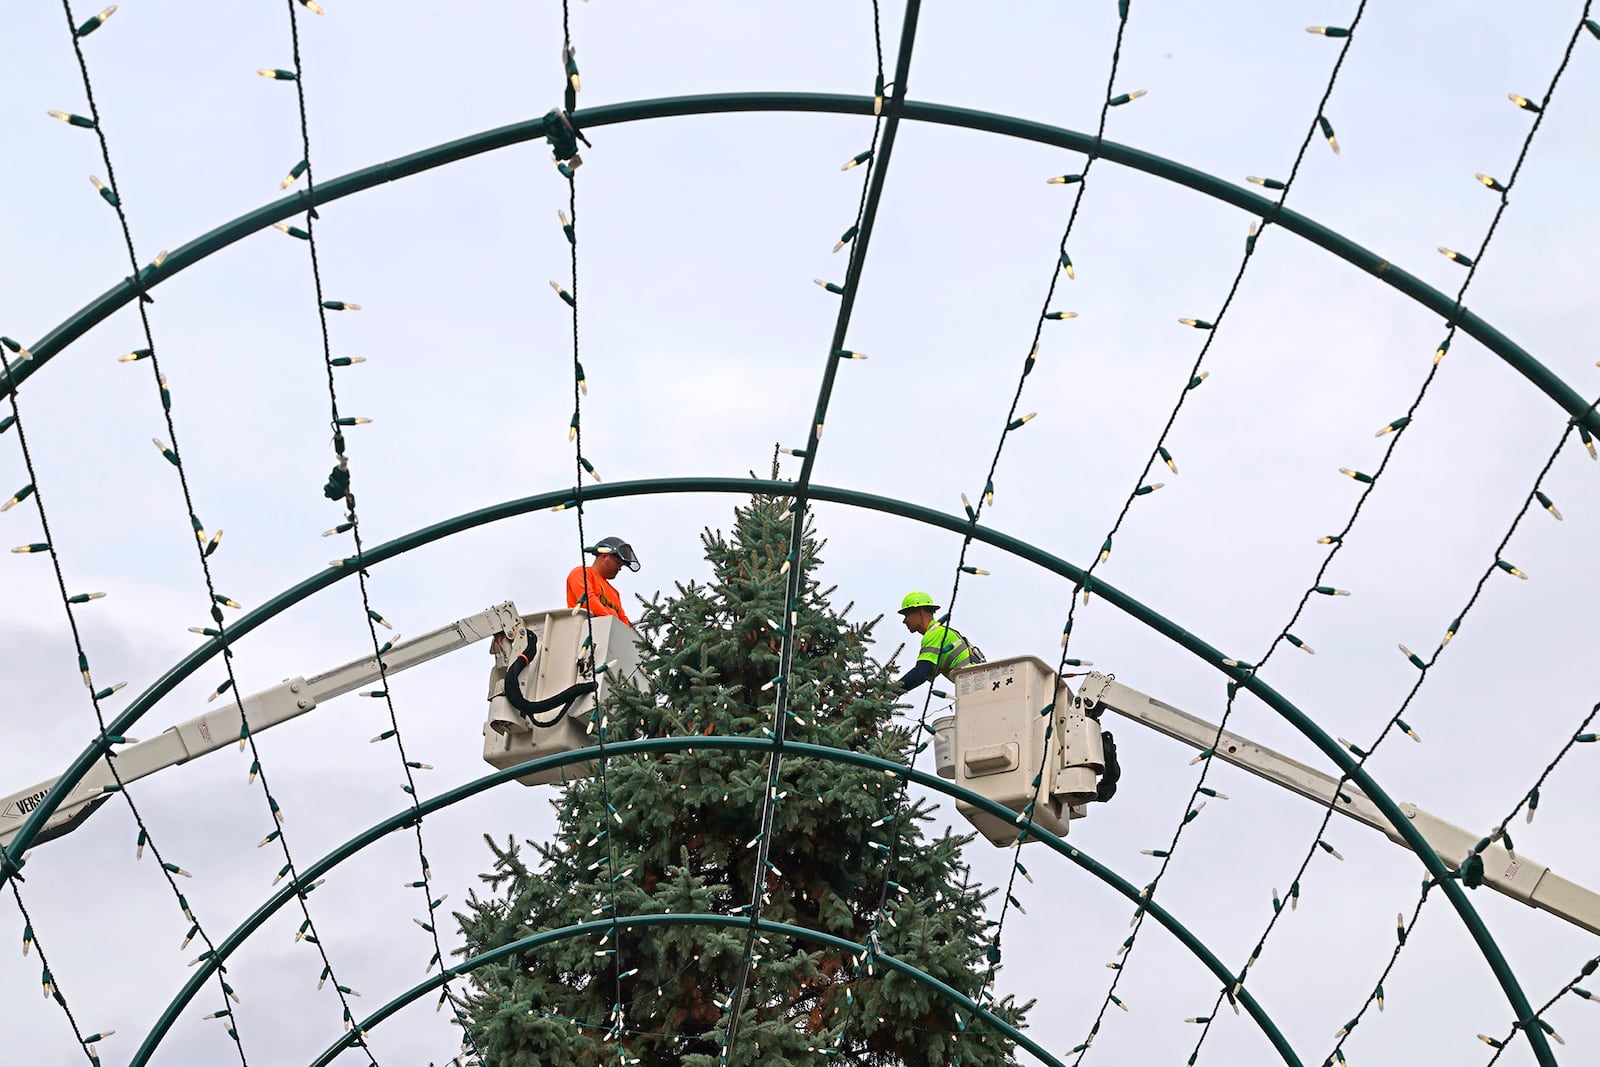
(680,837)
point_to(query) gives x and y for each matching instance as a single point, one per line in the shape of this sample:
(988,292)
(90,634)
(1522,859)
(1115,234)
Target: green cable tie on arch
(1490,949)
(1586,417)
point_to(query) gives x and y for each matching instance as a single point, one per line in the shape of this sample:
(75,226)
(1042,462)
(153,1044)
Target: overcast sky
(703,340)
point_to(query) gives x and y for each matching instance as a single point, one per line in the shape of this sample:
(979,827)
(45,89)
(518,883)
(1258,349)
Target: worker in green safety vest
(944,651)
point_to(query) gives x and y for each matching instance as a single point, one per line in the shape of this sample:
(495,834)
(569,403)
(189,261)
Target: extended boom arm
(1516,876)
(213,730)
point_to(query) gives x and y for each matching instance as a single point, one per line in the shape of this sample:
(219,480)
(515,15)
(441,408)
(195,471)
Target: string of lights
(339,488)
(107,741)
(1320,844)
(1060,265)
(837,1041)
(568,162)
(51,986)
(1012,423)
(12,865)
(204,547)
(607,1026)
(787,693)
(1143,487)
(1405,927)
(1530,798)
(1499,564)
(1287,635)
(856,237)
(1572,987)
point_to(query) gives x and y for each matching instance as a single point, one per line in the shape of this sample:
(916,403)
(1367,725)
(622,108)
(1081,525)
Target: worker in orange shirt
(611,554)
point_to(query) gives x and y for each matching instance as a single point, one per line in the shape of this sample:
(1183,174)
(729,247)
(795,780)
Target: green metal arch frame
(799,933)
(649,746)
(189,254)
(1512,988)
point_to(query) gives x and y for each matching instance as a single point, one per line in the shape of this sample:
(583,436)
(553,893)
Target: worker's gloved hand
(1113,772)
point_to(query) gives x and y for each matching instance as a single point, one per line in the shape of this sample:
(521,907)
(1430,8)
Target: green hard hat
(916,600)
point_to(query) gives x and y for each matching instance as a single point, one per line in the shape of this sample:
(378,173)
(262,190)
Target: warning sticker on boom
(987,679)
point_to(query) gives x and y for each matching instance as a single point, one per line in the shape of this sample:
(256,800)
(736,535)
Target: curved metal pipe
(656,745)
(1470,323)
(1515,996)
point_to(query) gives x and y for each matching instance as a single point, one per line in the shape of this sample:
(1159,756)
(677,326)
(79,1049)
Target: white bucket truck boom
(1015,739)
(1008,742)
(547,654)
(545,685)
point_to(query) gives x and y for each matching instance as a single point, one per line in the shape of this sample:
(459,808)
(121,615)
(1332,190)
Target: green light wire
(1474,263)
(597,717)
(50,979)
(336,424)
(870,157)
(1060,263)
(1142,485)
(102,746)
(1494,958)
(1571,987)
(1380,267)
(877,163)
(1423,667)
(51,984)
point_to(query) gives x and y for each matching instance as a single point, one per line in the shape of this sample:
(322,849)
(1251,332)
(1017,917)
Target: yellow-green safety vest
(947,650)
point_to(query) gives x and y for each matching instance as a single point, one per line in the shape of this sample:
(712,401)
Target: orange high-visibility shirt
(603,596)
